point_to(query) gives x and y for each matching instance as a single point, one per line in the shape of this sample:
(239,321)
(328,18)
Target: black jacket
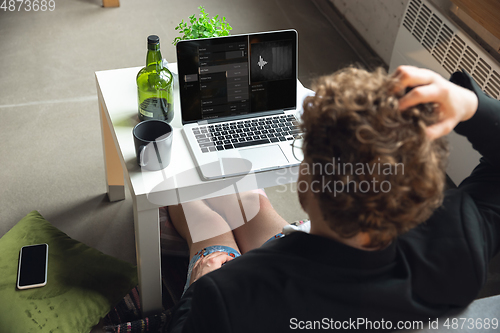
(307,281)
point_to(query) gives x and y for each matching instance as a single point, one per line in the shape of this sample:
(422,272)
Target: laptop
(238,97)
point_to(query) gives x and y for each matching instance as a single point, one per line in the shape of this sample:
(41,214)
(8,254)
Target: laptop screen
(237,75)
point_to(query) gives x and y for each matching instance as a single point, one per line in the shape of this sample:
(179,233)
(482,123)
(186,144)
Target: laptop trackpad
(263,158)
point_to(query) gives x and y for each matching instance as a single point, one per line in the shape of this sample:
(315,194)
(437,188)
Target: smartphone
(33,262)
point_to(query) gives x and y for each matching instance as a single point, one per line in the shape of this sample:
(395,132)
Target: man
(386,248)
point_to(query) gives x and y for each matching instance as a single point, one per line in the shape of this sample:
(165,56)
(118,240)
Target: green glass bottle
(155,86)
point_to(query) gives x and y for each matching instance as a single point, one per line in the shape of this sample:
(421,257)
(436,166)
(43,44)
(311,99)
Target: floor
(50,140)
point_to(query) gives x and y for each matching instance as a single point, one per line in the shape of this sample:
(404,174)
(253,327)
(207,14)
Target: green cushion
(82,284)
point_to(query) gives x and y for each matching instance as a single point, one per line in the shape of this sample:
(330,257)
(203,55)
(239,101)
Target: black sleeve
(483,129)
(483,185)
(201,309)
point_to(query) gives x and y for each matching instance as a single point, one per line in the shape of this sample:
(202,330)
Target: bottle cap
(153,39)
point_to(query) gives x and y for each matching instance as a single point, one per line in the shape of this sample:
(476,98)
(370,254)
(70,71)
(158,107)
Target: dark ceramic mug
(153,144)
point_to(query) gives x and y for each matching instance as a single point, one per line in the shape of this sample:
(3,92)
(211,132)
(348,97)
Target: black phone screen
(33,265)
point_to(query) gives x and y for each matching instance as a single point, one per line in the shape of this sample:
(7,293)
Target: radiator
(427,38)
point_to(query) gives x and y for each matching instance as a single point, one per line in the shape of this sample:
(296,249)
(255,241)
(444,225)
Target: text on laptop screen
(237,75)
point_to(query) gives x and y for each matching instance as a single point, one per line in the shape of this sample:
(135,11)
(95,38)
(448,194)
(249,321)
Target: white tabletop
(180,181)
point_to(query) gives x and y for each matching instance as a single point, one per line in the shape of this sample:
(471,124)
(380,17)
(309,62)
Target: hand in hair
(454,103)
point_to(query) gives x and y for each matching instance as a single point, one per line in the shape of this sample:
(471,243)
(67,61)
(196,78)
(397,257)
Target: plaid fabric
(174,272)
(171,242)
(125,317)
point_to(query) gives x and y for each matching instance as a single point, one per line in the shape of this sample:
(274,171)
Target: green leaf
(203,27)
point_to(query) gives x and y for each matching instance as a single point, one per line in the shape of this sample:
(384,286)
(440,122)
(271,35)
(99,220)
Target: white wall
(377,21)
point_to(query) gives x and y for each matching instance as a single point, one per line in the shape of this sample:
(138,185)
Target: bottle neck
(154,56)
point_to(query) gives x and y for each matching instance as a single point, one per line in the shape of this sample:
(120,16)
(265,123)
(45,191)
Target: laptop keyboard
(245,133)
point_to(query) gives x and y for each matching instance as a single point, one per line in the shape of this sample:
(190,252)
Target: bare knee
(253,203)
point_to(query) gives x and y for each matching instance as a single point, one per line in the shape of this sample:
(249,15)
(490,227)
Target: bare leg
(261,220)
(195,220)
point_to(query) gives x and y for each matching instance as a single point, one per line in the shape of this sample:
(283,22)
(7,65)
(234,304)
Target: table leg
(148,254)
(111,3)
(115,185)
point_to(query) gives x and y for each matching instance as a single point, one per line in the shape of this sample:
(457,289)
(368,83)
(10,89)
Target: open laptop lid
(237,76)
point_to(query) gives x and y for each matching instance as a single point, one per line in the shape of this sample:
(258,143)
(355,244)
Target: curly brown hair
(356,136)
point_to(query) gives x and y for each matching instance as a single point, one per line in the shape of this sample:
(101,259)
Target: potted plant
(203,27)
